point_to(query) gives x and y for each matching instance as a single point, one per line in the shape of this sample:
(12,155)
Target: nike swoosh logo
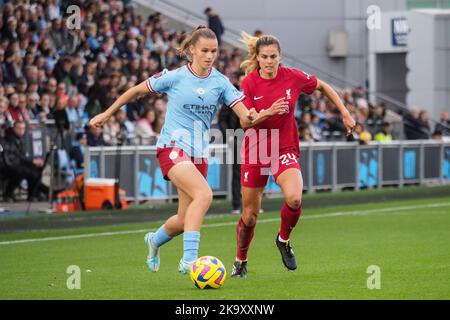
(257,98)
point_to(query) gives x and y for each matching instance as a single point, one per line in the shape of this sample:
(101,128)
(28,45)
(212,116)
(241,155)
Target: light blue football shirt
(193,103)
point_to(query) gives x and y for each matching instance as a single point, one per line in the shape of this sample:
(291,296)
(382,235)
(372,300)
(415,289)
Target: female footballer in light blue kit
(194,91)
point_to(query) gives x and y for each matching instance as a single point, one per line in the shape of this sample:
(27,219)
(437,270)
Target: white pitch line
(223,224)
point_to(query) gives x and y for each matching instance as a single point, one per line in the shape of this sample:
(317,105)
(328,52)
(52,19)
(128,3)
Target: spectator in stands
(62,124)
(60,115)
(314,131)
(437,135)
(78,149)
(144,127)
(88,77)
(19,166)
(320,110)
(391,116)
(384,135)
(56,34)
(51,86)
(4,120)
(215,23)
(33,87)
(360,134)
(32,106)
(315,127)
(61,92)
(91,39)
(111,131)
(10,28)
(95,137)
(44,106)
(258,33)
(74,112)
(131,52)
(375,120)
(126,126)
(26,116)
(425,124)
(305,119)
(158,124)
(335,126)
(63,69)
(305,134)
(160,105)
(358,92)
(347,96)
(21,86)
(443,125)
(52,10)
(414,127)
(17,108)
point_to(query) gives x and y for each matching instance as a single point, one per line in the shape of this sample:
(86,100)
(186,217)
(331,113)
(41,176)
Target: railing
(325,166)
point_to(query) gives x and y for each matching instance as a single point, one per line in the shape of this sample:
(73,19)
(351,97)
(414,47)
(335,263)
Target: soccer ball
(208,273)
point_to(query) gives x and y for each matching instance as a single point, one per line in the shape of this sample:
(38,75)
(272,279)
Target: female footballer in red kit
(267,82)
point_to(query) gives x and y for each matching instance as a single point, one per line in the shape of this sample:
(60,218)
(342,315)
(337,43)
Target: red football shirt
(261,94)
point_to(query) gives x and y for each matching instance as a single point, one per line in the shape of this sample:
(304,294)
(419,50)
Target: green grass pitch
(408,240)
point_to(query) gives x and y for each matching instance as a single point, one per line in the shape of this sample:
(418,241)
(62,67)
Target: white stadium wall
(428,60)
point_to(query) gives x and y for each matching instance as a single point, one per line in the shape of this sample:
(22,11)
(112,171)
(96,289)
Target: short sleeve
(231,96)
(307,82)
(161,81)
(245,87)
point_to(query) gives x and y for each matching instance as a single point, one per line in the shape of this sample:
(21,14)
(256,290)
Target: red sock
(244,236)
(289,219)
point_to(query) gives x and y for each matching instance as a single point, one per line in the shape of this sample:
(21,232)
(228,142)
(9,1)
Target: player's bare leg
(174,226)
(188,179)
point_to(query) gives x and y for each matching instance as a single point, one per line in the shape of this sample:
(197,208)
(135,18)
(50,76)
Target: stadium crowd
(50,71)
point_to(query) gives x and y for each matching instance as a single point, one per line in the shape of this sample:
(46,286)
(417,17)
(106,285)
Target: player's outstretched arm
(250,118)
(245,116)
(139,90)
(331,94)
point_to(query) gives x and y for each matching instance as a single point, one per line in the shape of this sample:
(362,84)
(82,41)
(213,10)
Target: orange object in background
(99,194)
(68,201)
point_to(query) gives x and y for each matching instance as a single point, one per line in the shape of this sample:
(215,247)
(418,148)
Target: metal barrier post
(400,164)
(310,170)
(380,165)
(229,156)
(441,164)
(334,168)
(422,163)
(357,164)
(136,175)
(102,162)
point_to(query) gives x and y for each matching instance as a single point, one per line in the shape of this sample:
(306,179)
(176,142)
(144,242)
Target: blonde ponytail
(250,63)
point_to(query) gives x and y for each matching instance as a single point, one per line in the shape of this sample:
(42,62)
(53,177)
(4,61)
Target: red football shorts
(256,176)
(169,157)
